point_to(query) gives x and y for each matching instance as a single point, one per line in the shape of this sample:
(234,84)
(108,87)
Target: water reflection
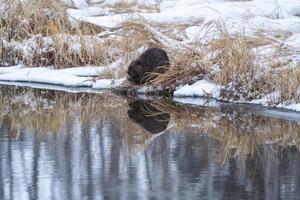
(83,146)
(144,113)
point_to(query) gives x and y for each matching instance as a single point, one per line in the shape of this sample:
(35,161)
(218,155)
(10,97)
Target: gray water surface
(55,145)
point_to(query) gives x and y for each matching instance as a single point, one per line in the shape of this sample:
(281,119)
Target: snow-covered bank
(249,49)
(5,70)
(51,87)
(201,93)
(194,94)
(201,88)
(46,76)
(73,78)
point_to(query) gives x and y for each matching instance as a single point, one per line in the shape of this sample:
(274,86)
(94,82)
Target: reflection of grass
(238,134)
(183,116)
(241,134)
(49,113)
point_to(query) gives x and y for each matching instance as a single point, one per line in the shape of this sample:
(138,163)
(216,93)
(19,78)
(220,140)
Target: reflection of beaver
(152,60)
(149,117)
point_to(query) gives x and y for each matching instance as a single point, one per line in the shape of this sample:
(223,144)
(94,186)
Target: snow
(89,11)
(70,77)
(5,70)
(80,3)
(274,96)
(197,101)
(83,71)
(294,41)
(295,107)
(90,71)
(52,87)
(267,14)
(46,76)
(108,83)
(144,2)
(201,88)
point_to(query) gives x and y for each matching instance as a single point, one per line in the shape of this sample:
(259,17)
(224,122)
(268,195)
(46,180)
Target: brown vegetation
(44,29)
(228,59)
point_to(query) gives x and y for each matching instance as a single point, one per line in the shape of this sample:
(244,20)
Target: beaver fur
(152,60)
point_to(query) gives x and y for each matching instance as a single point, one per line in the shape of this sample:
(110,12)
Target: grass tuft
(42,34)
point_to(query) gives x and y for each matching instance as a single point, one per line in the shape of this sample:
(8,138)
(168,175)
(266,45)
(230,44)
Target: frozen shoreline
(201,93)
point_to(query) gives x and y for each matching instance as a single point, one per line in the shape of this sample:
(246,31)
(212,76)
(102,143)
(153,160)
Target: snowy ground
(70,81)
(71,77)
(250,17)
(203,88)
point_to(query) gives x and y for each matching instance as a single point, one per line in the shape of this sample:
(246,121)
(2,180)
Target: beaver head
(136,71)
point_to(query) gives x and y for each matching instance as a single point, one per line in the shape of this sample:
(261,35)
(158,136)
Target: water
(90,146)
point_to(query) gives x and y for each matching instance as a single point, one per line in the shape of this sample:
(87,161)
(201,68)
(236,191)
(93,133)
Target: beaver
(152,60)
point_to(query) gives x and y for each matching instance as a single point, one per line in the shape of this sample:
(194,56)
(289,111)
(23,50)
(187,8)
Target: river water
(56,145)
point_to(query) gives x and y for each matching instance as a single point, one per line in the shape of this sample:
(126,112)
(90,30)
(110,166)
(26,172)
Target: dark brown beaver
(152,60)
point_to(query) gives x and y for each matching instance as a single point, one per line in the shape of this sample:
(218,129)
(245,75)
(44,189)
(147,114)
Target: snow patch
(46,76)
(293,41)
(201,88)
(5,70)
(83,71)
(108,83)
(295,107)
(197,101)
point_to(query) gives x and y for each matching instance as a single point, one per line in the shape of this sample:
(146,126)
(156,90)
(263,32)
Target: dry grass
(132,36)
(234,58)
(88,50)
(135,35)
(44,26)
(288,82)
(231,61)
(232,55)
(35,17)
(237,70)
(124,7)
(187,67)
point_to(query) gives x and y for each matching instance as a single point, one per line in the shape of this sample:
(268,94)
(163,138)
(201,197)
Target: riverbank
(152,94)
(240,52)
